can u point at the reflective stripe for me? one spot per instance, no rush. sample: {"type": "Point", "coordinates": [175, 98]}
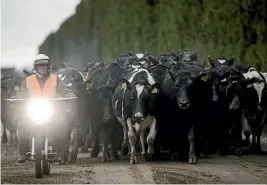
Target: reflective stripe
{"type": "Point", "coordinates": [52, 84]}
{"type": "Point", "coordinates": [29, 84]}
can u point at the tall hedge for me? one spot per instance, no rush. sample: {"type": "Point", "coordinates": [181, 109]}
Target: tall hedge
{"type": "Point", "coordinates": [103, 29]}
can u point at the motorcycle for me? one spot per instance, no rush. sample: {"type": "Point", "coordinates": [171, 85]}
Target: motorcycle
{"type": "Point", "coordinates": [40, 111]}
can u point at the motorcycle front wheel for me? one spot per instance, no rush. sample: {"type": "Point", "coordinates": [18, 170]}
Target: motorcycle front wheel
{"type": "Point", "coordinates": [38, 157]}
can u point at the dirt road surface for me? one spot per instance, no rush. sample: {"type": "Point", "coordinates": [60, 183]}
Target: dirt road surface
{"type": "Point", "coordinates": [214, 169]}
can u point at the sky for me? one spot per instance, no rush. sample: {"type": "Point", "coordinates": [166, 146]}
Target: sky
{"type": "Point", "coordinates": [26, 23]}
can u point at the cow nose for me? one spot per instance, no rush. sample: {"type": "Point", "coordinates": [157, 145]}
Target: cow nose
{"type": "Point", "coordinates": [138, 116]}
{"type": "Point", "coordinates": [260, 107]}
{"type": "Point", "coordinates": [215, 98]}
{"type": "Point", "coordinates": [183, 104]}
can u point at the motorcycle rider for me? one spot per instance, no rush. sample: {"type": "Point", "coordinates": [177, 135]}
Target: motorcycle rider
{"type": "Point", "coordinates": [41, 83]}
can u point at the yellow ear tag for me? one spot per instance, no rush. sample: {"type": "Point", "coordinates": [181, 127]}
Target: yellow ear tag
{"type": "Point", "coordinates": [223, 80]}
{"type": "Point", "coordinates": [89, 85]}
{"type": "Point", "coordinates": [155, 90]}
{"type": "Point", "coordinates": [204, 78]}
{"type": "Point", "coordinates": [249, 85]}
{"type": "Point", "coordinates": [123, 85]}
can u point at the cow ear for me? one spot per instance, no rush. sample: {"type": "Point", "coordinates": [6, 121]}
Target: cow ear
{"type": "Point", "coordinates": [155, 88]}
{"type": "Point", "coordinates": [249, 82]}
{"type": "Point", "coordinates": [212, 62]}
{"type": "Point", "coordinates": [126, 84]}
{"type": "Point", "coordinates": [225, 76]}
{"type": "Point", "coordinates": [203, 63]}
{"type": "Point", "coordinates": [230, 62]}
{"type": "Point", "coordinates": [172, 75]}
{"type": "Point", "coordinates": [194, 56]}
{"type": "Point", "coordinates": [88, 85]}
{"type": "Point", "coordinates": [153, 60]}
{"type": "Point", "coordinates": [203, 76]}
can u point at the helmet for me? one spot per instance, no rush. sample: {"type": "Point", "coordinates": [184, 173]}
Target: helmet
{"type": "Point", "coordinates": [41, 59]}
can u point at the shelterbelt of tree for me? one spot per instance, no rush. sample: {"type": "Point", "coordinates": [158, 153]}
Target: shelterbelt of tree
{"type": "Point", "coordinates": [101, 30]}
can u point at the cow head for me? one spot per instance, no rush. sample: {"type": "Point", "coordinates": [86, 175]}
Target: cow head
{"type": "Point", "coordinates": [124, 60]}
{"type": "Point", "coordinates": [186, 56]}
{"type": "Point", "coordinates": [229, 87]}
{"type": "Point", "coordinates": [259, 85]}
{"type": "Point", "coordinates": [104, 98]}
{"type": "Point", "coordinates": [221, 61]}
{"type": "Point", "coordinates": [184, 85]}
{"type": "Point", "coordinates": [143, 92]}
{"type": "Point", "coordinates": [167, 61]}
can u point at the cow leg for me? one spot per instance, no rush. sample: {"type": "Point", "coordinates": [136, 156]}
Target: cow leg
{"type": "Point", "coordinates": [223, 137]}
{"type": "Point", "coordinates": [4, 136]}
{"type": "Point", "coordinates": [95, 146]}
{"type": "Point", "coordinates": [59, 147]}
{"type": "Point", "coordinates": [256, 134]}
{"type": "Point", "coordinates": [258, 140]}
{"type": "Point", "coordinates": [74, 143]}
{"type": "Point", "coordinates": [151, 138]}
{"type": "Point", "coordinates": [15, 136]}
{"type": "Point", "coordinates": [192, 153]}
{"type": "Point", "coordinates": [253, 143]}
{"type": "Point", "coordinates": [106, 156]}
{"type": "Point", "coordinates": [142, 141]}
{"type": "Point", "coordinates": [124, 149]}
{"type": "Point", "coordinates": [236, 134]}
{"type": "Point", "coordinates": [114, 145]}
{"type": "Point", "coordinates": [95, 140]}
{"type": "Point", "coordinates": [87, 143]}
{"type": "Point", "coordinates": [132, 141]}
{"type": "Point", "coordinates": [10, 137]}
{"type": "Point", "coordinates": [246, 129]}
{"type": "Point", "coordinates": [258, 144]}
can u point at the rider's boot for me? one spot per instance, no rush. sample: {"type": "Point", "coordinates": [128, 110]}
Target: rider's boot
{"type": "Point", "coordinates": [22, 158]}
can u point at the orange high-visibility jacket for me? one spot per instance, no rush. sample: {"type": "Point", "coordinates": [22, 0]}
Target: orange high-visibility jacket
{"type": "Point", "coordinates": [35, 90]}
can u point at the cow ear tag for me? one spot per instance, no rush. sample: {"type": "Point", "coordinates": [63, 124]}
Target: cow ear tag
{"type": "Point", "coordinates": [204, 78]}
{"type": "Point", "coordinates": [89, 85]}
{"type": "Point", "coordinates": [249, 85]}
{"type": "Point", "coordinates": [223, 80]}
{"type": "Point", "coordinates": [155, 90]}
{"type": "Point", "coordinates": [123, 85]}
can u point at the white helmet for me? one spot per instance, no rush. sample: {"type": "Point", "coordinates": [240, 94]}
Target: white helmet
{"type": "Point", "coordinates": [41, 59]}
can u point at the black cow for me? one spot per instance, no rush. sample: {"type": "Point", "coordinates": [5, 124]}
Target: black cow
{"type": "Point", "coordinates": [101, 102]}
{"type": "Point", "coordinates": [10, 113]}
{"type": "Point", "coordinates": [74, 113]}
{"type": "Point", "coordinates": [134, 104]}
{"type": "Point", "coordinates": [230, 95]}
{"type": "Point", "coordinates": [183, 97]}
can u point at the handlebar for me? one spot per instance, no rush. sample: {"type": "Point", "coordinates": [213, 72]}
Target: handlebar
{"type": "Point", "coordinates": [30, 99]}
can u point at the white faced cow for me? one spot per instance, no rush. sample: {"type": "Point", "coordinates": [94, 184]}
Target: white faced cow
{"type": "Point", "coordinates": [134, 104]}
{"type": "Point", "coordinates": [257, 124]}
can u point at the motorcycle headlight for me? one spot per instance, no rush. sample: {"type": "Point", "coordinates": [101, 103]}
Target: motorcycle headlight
{"type": "Point", "coordinates": [40, 111]}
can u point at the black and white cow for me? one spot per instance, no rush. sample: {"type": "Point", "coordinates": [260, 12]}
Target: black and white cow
{"type": "Point", "coordinates": [257, 122]}
{"type": "Point", "coordinates": [134, 104]}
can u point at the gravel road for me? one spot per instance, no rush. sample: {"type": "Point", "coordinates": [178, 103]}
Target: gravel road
{"type": "Point", "coordinates": [213, 169]}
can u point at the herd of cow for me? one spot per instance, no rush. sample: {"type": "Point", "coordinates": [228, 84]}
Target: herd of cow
{"type": "Point", "coordinates": [173, 103]}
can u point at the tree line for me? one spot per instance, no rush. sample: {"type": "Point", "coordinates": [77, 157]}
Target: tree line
{"type": "Point", "coordinates": [101, 30]}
